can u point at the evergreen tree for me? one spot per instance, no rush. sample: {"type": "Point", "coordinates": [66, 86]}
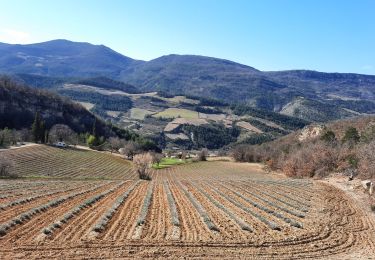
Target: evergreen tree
{"type": "Point", "coordinates": [35, 127]}
{"type": "Point", "coordinates": [42, 131]}
{"type": "Point", "coordinates": [94, 129]}
{"type": "Point", "coordinates": [38, 129]}
{"type": "Point", "coordinates": [328, 137]}
{"type": "Point", "coordinates": [351, 136]}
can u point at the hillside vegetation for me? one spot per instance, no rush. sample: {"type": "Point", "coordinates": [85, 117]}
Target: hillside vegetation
{"type": "Point", "coordinates": [346, 146]}
{"type": "Point", "coordinates": [29, 114]}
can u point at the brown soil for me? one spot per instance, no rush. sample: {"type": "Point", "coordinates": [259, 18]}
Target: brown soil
{"type": "Point", "coordinates": [338, 223]}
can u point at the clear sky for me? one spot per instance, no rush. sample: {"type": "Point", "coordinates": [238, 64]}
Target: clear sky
{"type": "Point", "coordinates": [324, 35]}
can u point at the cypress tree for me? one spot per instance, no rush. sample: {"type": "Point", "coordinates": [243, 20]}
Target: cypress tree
{"type": "Point", "coordinates": [38, 129]}
{"type": "Point", "coordinates": [42, 131]}
{"type": "Point", "coordinates": [94, 128]}
{"type": "Point", "coordinates": [35, 128]}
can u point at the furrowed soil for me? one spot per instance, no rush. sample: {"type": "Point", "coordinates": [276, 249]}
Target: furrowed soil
{"type": "Point", "coordinates": [200, 210]}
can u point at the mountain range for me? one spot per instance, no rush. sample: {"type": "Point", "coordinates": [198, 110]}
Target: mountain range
{"type": "Point", "coordinates": [310, 95]}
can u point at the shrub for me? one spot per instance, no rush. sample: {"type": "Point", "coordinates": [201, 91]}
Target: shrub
{"type": "Point", "coordinates": [146, 204]}
{"type": "Point", "coordinates": [366, 163]}
{"type": "Point", "coordinates": [328, 137]}
{"type": "Point", "coordinates": [311, 160]}
{"type": "Point", "coordinates": [91, 141]}
{"type": "Point", "coordinates": [201, 210]}
{"type": "Point", "coordinates": [106, 217]}
{"type": "Point", "coordinates": [142, 164]}
{"type": "Point", "coordinates": [172, 205]}
{"type": "Point", "coordinates": [351, 136]}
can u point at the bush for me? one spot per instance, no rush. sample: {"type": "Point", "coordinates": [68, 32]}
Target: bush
{"type": "Point", "coordinates": [91, 141]}
{"type": "Point", "coordinates": [351, 136]}
{"type": "Point", "coordinates": [7, 168]}
{"type": "Point", "coordinates": [328, 137]}
{"type": "Point", "coordinates": [366, 163]}
{"type": "Point", "coordinates": [142, 163]}
{"type": "Point", "coordinates": [312, 160]}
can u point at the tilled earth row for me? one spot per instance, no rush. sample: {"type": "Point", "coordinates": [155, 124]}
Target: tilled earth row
{"type": "Point", "coordinates": [236, 214]}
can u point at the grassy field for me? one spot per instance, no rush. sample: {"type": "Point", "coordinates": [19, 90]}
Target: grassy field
{"type": "Point", "coordinates": [177, 112]}
{"type": "Point", "coordinates": [180, 99]}
{"type": "Point", "coordinates": [139, 113]}
{"type": "Point", "coordinates": [168, 162]}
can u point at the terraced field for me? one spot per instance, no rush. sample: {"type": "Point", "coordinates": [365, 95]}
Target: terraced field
{"type": "Point", "coordinates": [211, 210]}
{"type": "Point", "coordinates": [52, 162]}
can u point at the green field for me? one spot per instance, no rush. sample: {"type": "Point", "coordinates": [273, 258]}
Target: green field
{"type": "Point", "coordinates": [177, 112]}
{"type": "Point", "coordinates": [139, 113]}
{"type": "Point", "coordinates": [168, 162]}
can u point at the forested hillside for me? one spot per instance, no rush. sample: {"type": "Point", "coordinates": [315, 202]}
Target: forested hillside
{"type": "Point", "coordinates": [309, 95]}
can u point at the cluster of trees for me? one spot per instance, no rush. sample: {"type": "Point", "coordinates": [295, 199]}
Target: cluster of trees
{"type": "Point", "coordinates": [106, 83]}
{"type": "Point", "coordinates": [22, 102]}
{"type": "Point", "coordinates": [211, 136]}
{"type": "Point", "coordinates": [266, 128]}
{"type": "Point", "coordinates": [257, 139]}
{"type": "Point", "coordinates": [10, 137]}
{"type": "Point", "coordinates": [40, 133]}
{"type": "Point", "coordinates": [352, 153]}
{"type": "Point", "coordinates": [102, 102]}
{"type": "Point", "coordinates": [206, 110]}
{"type": "Point", "coordinates": [287, 122]}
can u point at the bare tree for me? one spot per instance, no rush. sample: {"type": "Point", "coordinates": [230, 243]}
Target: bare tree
{"type": "Point", "coordinates": [6, 137]}
{"type": "Point", "coordinates": [60, 132]}
{"type": "Point", "coordinates": [7, 167]}
{"type": "Point", "coordinates": [183, 155]}
{"type": "Point", "coordinates": [116, 143]}
{"type": "Point", "coordinates": [202, 155]}
{"type": "Point", "coordinates": [142, 164]}
{"type": "Point", "coordinates": [129, 150]}
{"type": "Point", "coordinates": [156, 158]}
{"type": "Point", "coordinates": [23, 135]}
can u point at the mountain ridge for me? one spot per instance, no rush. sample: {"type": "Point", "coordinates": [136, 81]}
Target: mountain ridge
{"type": "Point", "coordinates": [200, 76]}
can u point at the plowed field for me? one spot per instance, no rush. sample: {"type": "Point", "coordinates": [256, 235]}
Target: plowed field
{"type": "Point", "coordinates": [200, 210]}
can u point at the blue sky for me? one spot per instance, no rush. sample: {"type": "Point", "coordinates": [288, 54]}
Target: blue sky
{"type": "Point", "coordinates": [324, 35]}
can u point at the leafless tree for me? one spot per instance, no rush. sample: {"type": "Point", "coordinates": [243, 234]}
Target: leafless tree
{"type": "Point", "coordinates": [156, 158]}
{"type": "Point", "coordinates": [23, 135]}
{"type": "Point", "coordinates": [7, 167]}
{"type": "Point", "coordinates": [60, 132]}
{"type": "Point", "coordinates": [7, 137]}
{"type": "Point", "coordinates": [183, 155]}
{"type": "Point", "coordinates": [202, 155]}
{"type": "Point", "coordinates": [116, 143]}
{"type": "Point", "coordinates": [142, 164]}
{"type": "Point", "coordinates": [130, 149]}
